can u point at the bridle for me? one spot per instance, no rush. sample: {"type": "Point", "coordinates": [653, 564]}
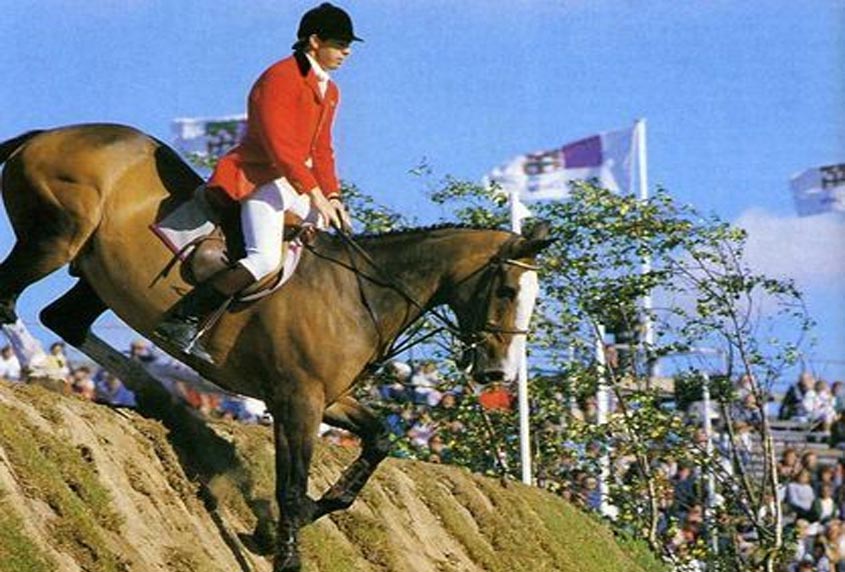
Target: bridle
{"type": "Point", "coordinates": [480, 328]}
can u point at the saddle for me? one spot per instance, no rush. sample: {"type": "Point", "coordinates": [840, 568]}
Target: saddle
{"type": "Point", "coordinates": [204, 234]}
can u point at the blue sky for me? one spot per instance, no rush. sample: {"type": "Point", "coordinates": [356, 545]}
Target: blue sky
{"type": "Point", "coordinates": [738, 96]}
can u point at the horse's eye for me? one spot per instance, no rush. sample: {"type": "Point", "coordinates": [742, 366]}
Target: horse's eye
{"type": "Point", "coordinates": [506, 292]}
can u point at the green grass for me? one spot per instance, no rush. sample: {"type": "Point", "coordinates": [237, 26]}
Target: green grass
{"type": "Point", "coordinates": [17, 552]}
{"type": "Point", "coordinates": [50, 469]}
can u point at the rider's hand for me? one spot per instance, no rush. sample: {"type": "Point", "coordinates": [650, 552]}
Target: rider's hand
{"type": "Point", "coordinates": [342, 214]}
{"type": "Point", "coordinates": [326, 210]}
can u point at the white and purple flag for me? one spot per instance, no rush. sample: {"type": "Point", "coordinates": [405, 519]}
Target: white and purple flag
{"type": "Point", "coordinates": [819, 190]}
{"type": "Point", "coordinates": [546, 175]}
{"type": "Point", "coordinates": [208, 136]}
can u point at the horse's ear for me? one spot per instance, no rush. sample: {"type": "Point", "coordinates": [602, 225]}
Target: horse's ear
{"type": "Point", "coordinates": [536, 239]}
{"type": "Point", "coordinates": [540, 230]}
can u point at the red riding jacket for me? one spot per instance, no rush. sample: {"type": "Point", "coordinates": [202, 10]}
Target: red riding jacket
{"type": "Point", "coordinates": [288, 123]}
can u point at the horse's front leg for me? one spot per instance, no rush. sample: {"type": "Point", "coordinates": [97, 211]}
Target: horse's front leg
{"type": "Point", "coordinates": [347, 413]}
{"type": "Point", "coordinates": [295, 424]}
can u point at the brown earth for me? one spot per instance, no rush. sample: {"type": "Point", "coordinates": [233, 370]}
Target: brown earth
{"type": "Point", "coordinates": [87, 488]}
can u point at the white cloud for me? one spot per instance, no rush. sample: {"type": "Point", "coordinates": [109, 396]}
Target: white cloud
{"type": "Point", "coordinates": [809, 249]}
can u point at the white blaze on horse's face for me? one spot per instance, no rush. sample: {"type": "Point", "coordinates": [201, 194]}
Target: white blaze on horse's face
{"type": "Point", "coordinates": [529, 287]}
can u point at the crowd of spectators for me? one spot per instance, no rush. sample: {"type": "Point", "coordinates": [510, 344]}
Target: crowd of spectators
{"type": "Point", "coordinates": [91, 382]}
{"type": "Point", "coordinates": [813, 401]}
{"type": "Point", "coordinates": [419, 408]}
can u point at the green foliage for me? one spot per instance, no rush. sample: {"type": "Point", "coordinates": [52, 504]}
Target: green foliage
{"type": "Point", "coordinates": [371, 216]}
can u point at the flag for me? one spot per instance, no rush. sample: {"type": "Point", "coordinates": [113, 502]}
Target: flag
{"type": "Point", "coordinates": [547, 174]}
{"type": "Point", "coordinates": [819, 190]}
{"type": "Point", "coordinates": [208, 137]}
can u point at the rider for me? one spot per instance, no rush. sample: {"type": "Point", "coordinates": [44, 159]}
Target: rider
{"type": "Point", "coordinates": [284, 163]}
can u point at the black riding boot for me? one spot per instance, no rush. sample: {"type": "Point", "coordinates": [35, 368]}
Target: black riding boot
{"type": "Point", "coordinates": [182, 324]}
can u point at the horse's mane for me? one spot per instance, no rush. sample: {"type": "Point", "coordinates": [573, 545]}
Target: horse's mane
{"type": "Point", "coordinates": [423, 229]}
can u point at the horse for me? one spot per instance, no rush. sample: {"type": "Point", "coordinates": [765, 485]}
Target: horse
{"type": "Point", "coordinates": [86, 195]}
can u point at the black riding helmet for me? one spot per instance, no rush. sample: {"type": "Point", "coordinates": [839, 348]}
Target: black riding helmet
{"type": "Point", "coordinates": [329, 23]}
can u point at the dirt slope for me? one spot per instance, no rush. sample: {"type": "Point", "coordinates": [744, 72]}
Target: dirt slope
{"type": "Point", "coordinates": [84, 487]}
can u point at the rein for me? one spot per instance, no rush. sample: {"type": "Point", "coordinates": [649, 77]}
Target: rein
{"type": "Point", "coordinates": [470, 341]}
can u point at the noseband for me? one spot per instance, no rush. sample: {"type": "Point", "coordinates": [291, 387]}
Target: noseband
{"type": "Point", "coordinates": [478, 335]}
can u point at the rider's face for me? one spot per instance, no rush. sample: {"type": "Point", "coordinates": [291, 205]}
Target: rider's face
{"type": "Point", "coordinates": [330, 54]}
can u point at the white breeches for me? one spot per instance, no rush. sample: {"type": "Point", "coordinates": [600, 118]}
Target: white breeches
{"type": "Point", "coordinates": [263, 224]}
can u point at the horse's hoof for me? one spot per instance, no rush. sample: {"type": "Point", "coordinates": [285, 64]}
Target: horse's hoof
{"type": "Point", "coordinates": [289, 563]}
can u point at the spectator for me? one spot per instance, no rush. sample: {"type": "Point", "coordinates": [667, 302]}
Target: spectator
{"type": "Point", "coordinates": [838, 390]}
{"type": "Point", "coordinates": [438, 449]}
{"type": "Point", "coordinates": [111, 391]}
{"type": "Point", "coordinates": [800, 496]}
{"type": "Point", "coordinates": [789, 464]}
{"type": "Point", "coordinates": [810, 461]}
{"type": "Point", "coordinates": [140, 350]}
{"type": "Point", "coordinates": [791, 407]}
{"type": "Point", "coordinates": [395, 379]}
{"type": "Point", "coordinates": [837, 431]}
{"type": "Point", "coordinates": [826, 475]}
{"type": "Point", "coordinates": [425, 381]}
{"type": "Point", "coordinates": [685, 486]}
{"type": "Point", "coordinates": [804, 534]}
{"type": "Point", "coordinates": [422, 430]}
{"type": "Point", "coordinates": [400, 420]}
{"type": "Point", "coordinates": [10, 367]}
{"type": "Point", "coordinates": [834, 542]}
{"type": "Point", "coordinates": [819, 405]}
{"type": "Point", "coordinates": [743, 445]}
{"type": "Point", "coordinates": [744, 387]}
{"type": "Point", "coordinates": [448, 408]}
{"type": "Point", "coordinates": [839, 473]}
{"type": "Point", "coordinates": [592, 494]}
{"type": "Point", "coordinates": [821, 560]}
{"type": "Point", "coordinates": [59, 359]}
{"type": "Point", "coordinates": [82, 384]}
{"type": "Point", "coordinates": [824, 507]}
{"type": "Point", "coordinates": [748, 411]}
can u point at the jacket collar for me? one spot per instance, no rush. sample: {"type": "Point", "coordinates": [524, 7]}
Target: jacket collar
{"type": "Point", "coordinates": [306, 70]}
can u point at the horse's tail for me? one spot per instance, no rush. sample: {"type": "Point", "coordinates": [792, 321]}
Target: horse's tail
{"type": "Point", "coordinates": [12, 145]}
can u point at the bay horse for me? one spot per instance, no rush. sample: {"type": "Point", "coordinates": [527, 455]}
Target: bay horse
{"type": "Point", "coordinates": [86, 195]}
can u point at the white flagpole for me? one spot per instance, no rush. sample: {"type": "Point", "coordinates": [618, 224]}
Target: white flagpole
{"type": "Point", "coordinates": [517, 212]}
{"type": "Point", "coordinates": [642, 173]}
{"type": "Point", "coordinates": [602, 414]}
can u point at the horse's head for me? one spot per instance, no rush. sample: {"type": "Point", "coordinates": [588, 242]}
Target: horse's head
{"type": "Point", "coordinates": [494, 305]}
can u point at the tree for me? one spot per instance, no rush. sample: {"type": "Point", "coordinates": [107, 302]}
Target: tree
{"type": "Point", "coordinates": [592, 278]}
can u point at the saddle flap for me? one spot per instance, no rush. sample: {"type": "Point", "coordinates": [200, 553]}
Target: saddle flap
{"type": "Point", "coordinates": [210, 256]}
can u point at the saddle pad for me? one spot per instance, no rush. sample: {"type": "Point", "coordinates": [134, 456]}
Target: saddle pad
{"type": "Point", "coordinates": [194, 219]}
{"type": "Point", "coordinates": [187, 223]}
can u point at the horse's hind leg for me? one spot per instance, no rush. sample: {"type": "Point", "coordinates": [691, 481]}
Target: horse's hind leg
{"type": "Point", "coordinates": [72, 315]}
{"type": "Point", "coordinates": [26, 264]}
{"type": "Point", "coordinates": [48, 238]}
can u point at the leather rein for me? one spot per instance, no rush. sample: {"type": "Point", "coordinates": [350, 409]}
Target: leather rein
{"type": "Point", "coordinates": [470, 341]}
